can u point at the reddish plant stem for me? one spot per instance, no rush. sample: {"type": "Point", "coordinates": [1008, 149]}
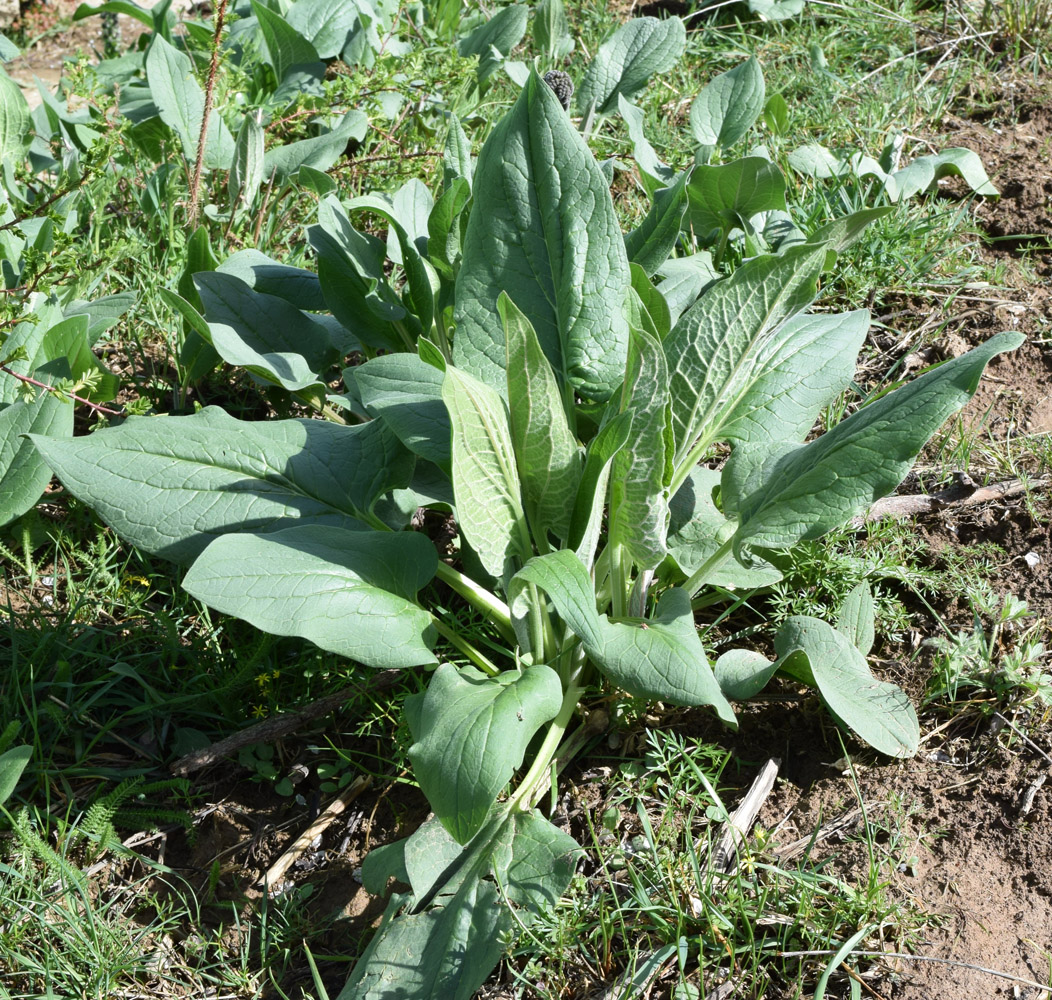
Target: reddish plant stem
{"type": "Point", "coordinates": [195, 183]}
{"type": "Point", "coordinates": [50, 388]}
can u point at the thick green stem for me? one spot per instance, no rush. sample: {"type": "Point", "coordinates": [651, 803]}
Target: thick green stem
{"type": "Point", "coordinates": [700, 576]}
{"type": "Point", "coordinates": [479, 597]}
{"type": "Point", "coordinates": [533, 782]}
{"type": "Point", "coordinates": [483, 662]}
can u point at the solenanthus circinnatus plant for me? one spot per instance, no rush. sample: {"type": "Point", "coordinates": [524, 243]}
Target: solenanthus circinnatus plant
{"type": "Point", "coordinates": [564, 425]}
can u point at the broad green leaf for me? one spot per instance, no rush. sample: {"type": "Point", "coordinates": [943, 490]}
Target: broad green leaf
{"type": "Point", "coordinates": [879, 712]}
{"type": "Point", "coordinates": [350, 592]}
{"type": "Point", "coordinates": [725, 197]}
{"type": "Point", "coordinates": [625, 62]}
{"type": "Point", "coordinates": [493, 40]}
{"type": "Point", "coordinates": [407, 393]}
{"type": "Point", "coordinates": [456, 154]}
{"type": "Point", "coordinates": [714, 350]}
{"type": "Point", "coordinates": [684, 279]}
{"type": "Point", "coordinates": [652, 172]}
{"type": "Point", "coordinates": [856, 620]}
{"type": "Point", "coordinates": [485, 479]}
{"type": "Point", "coordinates": [286, 47]}
{"type": "Point", "coordinates": [813, 160]}
{"type": "Point", "coordinates": [697, 530]}
{"type": "Point", "coordinates": [197, 357]}
{"type": "Point", "coordinates": [725, 110]}
{"type": "Point", "coordinates": [445, 226]}
{"type": "Point", "coordinates": [801, 367]}
{"type": "Point", "coordinates": [590, 504]}
{"type": "Point", "coordinates": [923, 172]}
{"type": "Point", "coordinates": [551, 31]}
{"type": "Point", "coordinates": [782, 495]}
{"type": "Point", "coordinates": [181, 104]}
{"type": "Point", "coordinates": [650, 244]}
{"type": "Point", "coordinates": [839, 234]}
{"type": "Point", "coordinates": [647, 308]}
{"type": "Point", "coordinates": [15, 120]}
{"type": "Point", "coordinates": [103, 313]}
{"type": "Point", "coordinates": [296, 285]}
{"type": "Point", "coordinates": [320, 151]}
{"type": "Point", "coordinates": [471, 736]}
{"type": "Point", "coordinates": [326, 24]}
{"type": "Point", "coordinates": [12, 763]}
{"type": "Point", "coordinates": [24, 475]}
{"type": "Point", "coordinates": [776, 114]}
{"type": "Point", "coordinates": [743, 673]}
{"type": "Point", "coordinates": [543, 229]}
{"type": "Point", "coordinates": [775, 10]}
{"type": "Point", "coordinates": [545, 451]}
{"type": "Point", "coordinates": [659, 658]}
{"type": "Point", "coordinates": [382, 863]}
{"type": "Point", "coordinates": [171, 484]}
{"type": "Point", "coordinates": [448, 943]}
{"type": "Point", "coordinates": [69, 352]}
{"type": "Point", "coordinates": [126, 7]}
{"type": "Point", "coordinates": [642, 469]}
{"type": "Point", "coordinates": [263, 333]}
{"type": "Point", "coordinates": [246, 172]}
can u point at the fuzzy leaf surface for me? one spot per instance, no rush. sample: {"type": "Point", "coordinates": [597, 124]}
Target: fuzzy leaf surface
{"type": "Point", "coordinates": [350, 592]}
{"type": "Point", "coordinates": [879, 712]}
{"type": "Point", "coordinates": [543, 229]}
{"type": "Point", "coordinates": [172, 484]}
{"type": "Point", "coordinates": [783, 494]}
{"type": "Point", "coordinates": [471, 736]}
{"type": "Point", "coordinates": [628, 59]}
{"type": "Point", "coordinates": [726, 109]}
{"type": "Point", "coordinates": [485, 479]}
{"type": "Point", "coordinates": [714, 350]}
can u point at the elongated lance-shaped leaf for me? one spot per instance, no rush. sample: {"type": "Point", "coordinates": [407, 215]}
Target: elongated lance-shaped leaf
{"type": "Point", "coordinates": [650, 244]}
{"type": "Point", "coordinates": [543, 229]}
{"type": "Point", "coordinates": [782, 494]}
{"type": "Point", "coordinates": [545, 451]}
{"type": "Point", "coordinates": [350, 592]}
{"type": "Point", "coordinates": [23, 473]}
{"type": "Point", "coordinates": [471, 735]}
{"type": "Point", "coordinates": [659, 658]}
{"type": "Point", "coordinates": [446, 943]}
{"type": "Point", "coordinates": [181, 103]}
{"type": "Point", "coordinates": [172, 484]}
{"type": "Point", "coordinates": [587, 519]}
{"type": "Point", "coordinates": [407, 393]}
{"type": "Point", "coordinates": [246, 172]}
{"type": "Point", "coordinates": [802, 367]}
{"type": "Point", "coordinates": [485, 480]}
{"type": "Point", "coordinates": [642, 469]}
{"type": "Point", "coordinates": [713, 351]}
{"type": "Point", "coordinates": [877, 711]}
{"type": "Point", "coordinates": [628, 59]}
{"type": "Point", "coordinates": [494, 39]}
{"type": "Point", "coordinates": [856, 618]}
{"type": "Point", "coordinates": [726, 109]}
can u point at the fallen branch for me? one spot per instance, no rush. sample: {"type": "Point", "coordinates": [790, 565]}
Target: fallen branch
{"type": "Point", "coordinates": [281, 725]}
{"type": "Point", "coordinates": [737, 828]}
{"type": "Point", "coordinates": [303, 842]}
{"type": "Point", "coordinates": [965, 492]}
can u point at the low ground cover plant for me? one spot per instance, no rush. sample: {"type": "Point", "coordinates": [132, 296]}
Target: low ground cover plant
{"type": "Point", "coordinates": [613, 451]}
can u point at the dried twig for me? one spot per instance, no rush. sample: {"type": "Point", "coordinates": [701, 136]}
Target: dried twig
{"type": "Point", "coordinates": [736, 828]}
{"type": "Point", "coordinates": [302, 843]}
{"type": "Point", "coordinates": [60, 392]}
{"type": "Point", "coordinates": [281, 725]}
{"type": "Point", "coordinates": [964, 493]}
